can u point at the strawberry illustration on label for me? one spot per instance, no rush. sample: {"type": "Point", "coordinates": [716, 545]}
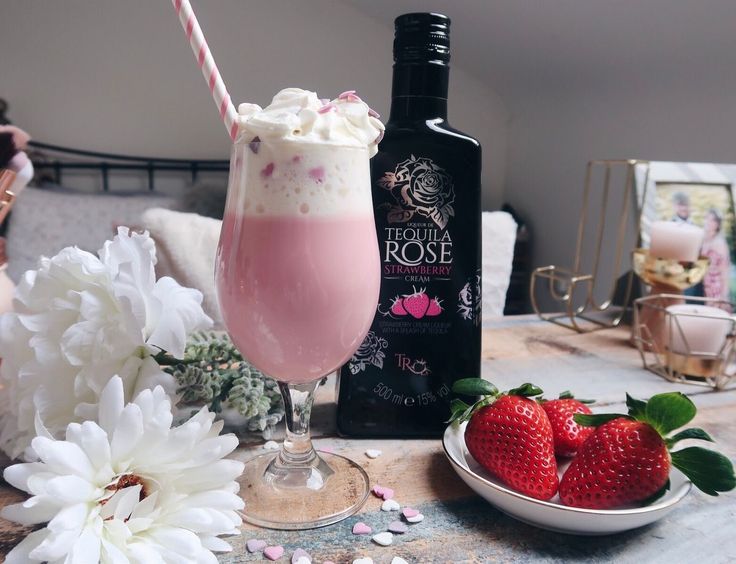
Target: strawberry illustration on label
{"type": "Point", "coordinates": [397, 307]}
{"type": "Point", "coordinates": [434, 308]}
{"type": "Point", "coordinates": [416, 304]}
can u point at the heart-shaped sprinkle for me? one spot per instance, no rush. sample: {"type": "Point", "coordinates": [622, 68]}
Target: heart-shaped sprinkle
{"type": "Point", "coordinates": [301, 556]}
{"type": "Point", "coordinates": [361, 528]}
{"type": "Point", "coordinates": [365, 560]}
{"type": "Point", "coordinates": [255, 545]}
{"type": "Point", "coordinates": [409, 512]}
{"type": "Point", "coordinates": [271, 445]}
{"type": "Point", "coordinates": [398, 527]}
{"type": "Point", "coordinates": [384, 539]}
{"type": "Point", "coordinates": [416, 519]}
{"type": "Point", "coordinates": [373, 453]}
{"type": "Point", "coordinates": [390, 505]}
{"type": "Point", "coordinates": [398, 560]}
{"type": "Point", "coordinates": [377, 490]}
{"type": "Point", "coordinates": [388, 493]}
{"type": "Point", "coordinates": [273, 552]}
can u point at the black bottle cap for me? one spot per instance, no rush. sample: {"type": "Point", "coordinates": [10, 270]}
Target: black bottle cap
{"type": "Point", "coordinates": [422, 38]}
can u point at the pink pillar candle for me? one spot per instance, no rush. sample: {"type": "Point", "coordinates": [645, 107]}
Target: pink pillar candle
{"type": "Point", "coordinates": [677, 241]}
{"type": "Point", "coordinates": [698, 329]}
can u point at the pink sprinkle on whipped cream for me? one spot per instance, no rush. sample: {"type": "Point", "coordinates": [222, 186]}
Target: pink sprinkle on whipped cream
{"type": "Point", "coordinates": [317, 174]}
{"type": "Point", "coordinates": [346, 94]}
{"type": "Point", "coordinates": [326, 108]}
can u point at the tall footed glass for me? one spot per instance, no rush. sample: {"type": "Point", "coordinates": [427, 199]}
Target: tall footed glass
{"type": "Point", "coordinates": [298, 274]}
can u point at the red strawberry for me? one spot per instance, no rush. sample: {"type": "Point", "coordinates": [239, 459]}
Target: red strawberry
{"type": "Point", "coordinates": [434, 308]}
{"type": "Point", "coordinates": [510, 436]}
{"type": "Point", "coordinates": [568, 435]}
{"type": "Point", "coordinates": [416, 304]}
{"type": "Point", "coordinates": [627, 459]}
{"type": "Point", "coordinates": [396, 307]}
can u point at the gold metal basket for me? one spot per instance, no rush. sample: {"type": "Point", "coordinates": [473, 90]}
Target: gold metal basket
{"type": "Point", "coordinates": [687, 365]}
{"type": "Point", "coordinates": [566, 287]}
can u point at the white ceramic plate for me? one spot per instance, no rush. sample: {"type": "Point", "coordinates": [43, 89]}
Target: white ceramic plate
{"type": "Point", "coordinates": [552, 515]}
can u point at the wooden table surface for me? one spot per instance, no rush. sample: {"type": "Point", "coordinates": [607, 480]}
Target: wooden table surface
{"type": "Point", "coordinates": [460, 526]}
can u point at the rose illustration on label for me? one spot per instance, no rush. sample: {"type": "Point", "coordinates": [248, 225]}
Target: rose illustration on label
{"type": "Point", "coordinates": [469, 299]}
{"type": "Point", "coordinates": [370, 353]}
{"type": "Point", "coordinates": [465, 302]}
{"type": "Point", "coordinates": [421, 187]}
{"type": "Point", "coordinates": [417, 305]}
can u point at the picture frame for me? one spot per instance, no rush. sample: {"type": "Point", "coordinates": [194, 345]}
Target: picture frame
{"type": "Point", "coordinates": [701, 194]}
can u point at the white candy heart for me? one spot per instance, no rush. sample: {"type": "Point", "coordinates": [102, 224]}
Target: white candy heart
{"type": "Point", "coordinates": [373, 453]}
{"type": "Point", "coordinates": [390, 505]}
{"type": "Point", "coordinates": [303, 560]}
{"type": "Point", "coordinates": [398, 560]}
{"type": "Point", "coordinates": [384, 539]}
{"type": "Point", "coordinates": [365, 560]}
{"type": "Point", "coordinates": [416, 519]}
{"type": "Point", "coordinates": [271, 445]}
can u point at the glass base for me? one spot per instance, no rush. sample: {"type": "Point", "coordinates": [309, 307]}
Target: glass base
{"type": "Point", "coordinates": [323, 491]}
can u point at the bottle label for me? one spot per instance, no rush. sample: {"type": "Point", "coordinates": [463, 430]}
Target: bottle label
{"type": "Point", "coordinates": [425, 334]}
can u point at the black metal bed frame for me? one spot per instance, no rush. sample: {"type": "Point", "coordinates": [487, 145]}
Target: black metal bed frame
{"type": "Point", "coordinates": [111, 162]}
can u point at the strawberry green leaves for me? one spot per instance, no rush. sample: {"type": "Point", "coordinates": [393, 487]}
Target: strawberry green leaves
{"type": "Point", "coordinates": [596, 419]}
{"type": "Point", "coordinates": [474, 387]}
{"type": "Point", "coordinates": [694, 433]}
{"type": "Point", "coordinates": [667, 412]}
{"type": "Point", "coordinates": [526, 390]}
{"type": "Point", "coordinates": [461, 411]}
{"type": "Point", "coordinates": [710, 471]}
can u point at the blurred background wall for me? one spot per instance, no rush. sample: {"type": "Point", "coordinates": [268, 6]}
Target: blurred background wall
{"type": "Point", "coordinates": [544, 86]}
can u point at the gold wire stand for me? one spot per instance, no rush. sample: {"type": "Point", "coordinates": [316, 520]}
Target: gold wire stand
{"type": "Point", "coordinates": [568, 286]}
{"type": "Point", "coordinates": [713, 370]}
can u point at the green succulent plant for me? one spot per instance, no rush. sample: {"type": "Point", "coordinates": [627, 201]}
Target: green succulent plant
{"type": "Point", "coordinates": [214, 373]}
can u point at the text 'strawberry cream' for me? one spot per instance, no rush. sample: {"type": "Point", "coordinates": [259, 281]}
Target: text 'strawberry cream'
{"type": "Point", "coordinates": [298, 268]}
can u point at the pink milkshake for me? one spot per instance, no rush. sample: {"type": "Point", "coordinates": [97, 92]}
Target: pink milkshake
{"type": "Point", "coordinates": [298, 269]}
{"type": "Point", "coordinates": [298, 276]}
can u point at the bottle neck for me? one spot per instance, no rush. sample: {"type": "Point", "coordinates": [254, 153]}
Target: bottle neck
{"type": "Point", "coordinates": [419, 91]}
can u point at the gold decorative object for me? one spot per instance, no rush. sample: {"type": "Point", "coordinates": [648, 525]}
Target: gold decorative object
{"type": "Point", "coordinates": [573, 290]}
{"type": "Point", "coordinates": [668, 274]}
{"type": "Point", "coordinates": [665, 277]}
{"type": "Point", "coordinates": [714, 369]}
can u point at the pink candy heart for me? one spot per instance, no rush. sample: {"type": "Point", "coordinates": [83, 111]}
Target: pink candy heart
{"type": "Point", "coordinates": [273, 552]}
{"type": "Point", "coordinates": [398, 527]}
{"type": "Point", "coordinates": [361, 528]}
{"type": "Point", "coordinates": [255, 545]}
{"type": "Point", "coordinates": [300, 553]}
{"type": "Point", "coordinates": [409, 512]}
{"type": "Point", "coordinates": [384, 493]}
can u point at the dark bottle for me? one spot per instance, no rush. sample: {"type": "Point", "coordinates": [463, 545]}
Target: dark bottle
{"type": "Point", "coordinates": [426, 197]}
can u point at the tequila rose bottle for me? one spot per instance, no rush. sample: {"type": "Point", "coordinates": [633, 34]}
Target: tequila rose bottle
{"type": "Point", "coordinates": [426, 197]}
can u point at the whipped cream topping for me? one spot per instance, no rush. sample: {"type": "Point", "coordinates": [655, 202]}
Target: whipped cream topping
{"type": "Point", "coordinates": [300, 116]}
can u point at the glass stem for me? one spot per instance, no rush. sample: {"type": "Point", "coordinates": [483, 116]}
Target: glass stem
{"type": "Point", "coordinates": [298, 399]}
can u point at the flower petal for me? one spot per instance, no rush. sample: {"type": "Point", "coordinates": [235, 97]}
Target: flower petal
{"type": "Point", "coordinates": [112, 401]}
{"type": "Point", "coordinates": [63, 457]}
{"type": "Point", "coordinates": [22, 551]}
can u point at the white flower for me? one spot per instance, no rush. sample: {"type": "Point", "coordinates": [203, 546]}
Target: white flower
{"type": "Point", "coordinates": [129, 489]}
{"type": "Point", "coordinates": [80, 319]}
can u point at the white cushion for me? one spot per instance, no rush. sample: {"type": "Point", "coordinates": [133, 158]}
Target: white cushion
{"type": "Point", "coordinates": [499, 238]}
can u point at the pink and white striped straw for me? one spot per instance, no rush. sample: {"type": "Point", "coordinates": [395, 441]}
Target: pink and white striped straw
{"type": "Point", "coordinates": [189, 23]}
